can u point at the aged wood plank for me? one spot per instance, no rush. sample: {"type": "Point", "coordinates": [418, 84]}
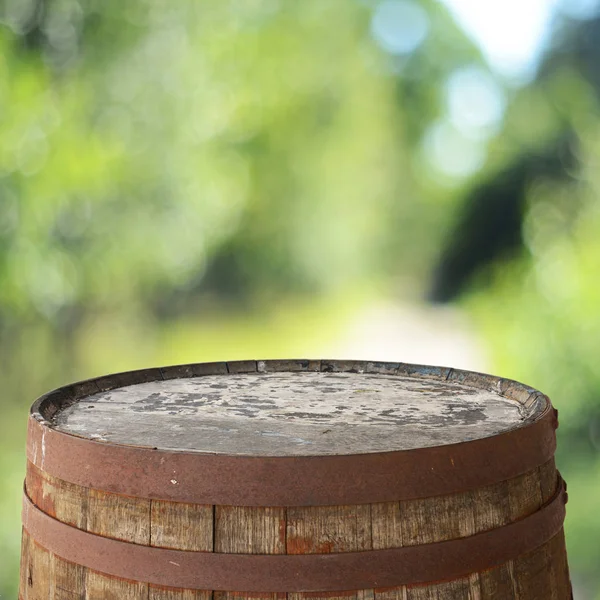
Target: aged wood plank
{"type": "Point", "coordinates": [44, 576]}
{"type": "Point", "coordinates": [491, 509]}
{"type": "Point", "coordinates": [250, 530]}
{"type": "Point", "coordinates": [181, 526]}
{"type": "Point", "coordinates": [437, 519]}
{"type": "Point", "coordinates": [24, 562]}
{"type": "Point", "coordinates": [324, 595]}
{"type": "Point", "coordinates": [99, 512]}
{"type": "Point", "coordinates": [386, 525]}
{"type": "Point", "coordinates": [324, 529]}
{"type": "Point", "coordinates": [103, 587]}
{"type": "Point", "coordinates": [398, 593]}
{"type": "Point", "coordinates": [452, 590]}
{"type": "Point", "coordinates": [533, 576]}
{"type": "Point", "coordinates": [38, 575]}
{"type": "Point", "coordinates": [62, 500]}
{"type": "Point", "coordinates": [548, 476]}
{"type": "Point", "coordinates": [69, 580]}
{"type": "Point", "coordinates": [249, 596]}
{"type": "Point", "coordinates": [490, 506]}
{"type": "Point", "coordinates": [68, 503]}
{"type": "Point", "coordinates": [557, 553]}
{"type": "Point", "coordinates": [498, 583]}
{"type": "Point", "coordinates": [458, 515]}
{"type": "Point", "coordinates": [556, 558]}
{"type": "Point", "coordinates": [386, 532]}
{"type": "Point", "coordinates": [159, 593]}
{"type": "Point", "coordinates": [524, 495]}
{"type": "Point", "coordinates": [119, 517]}
{"type": "Point", "coordinates": [543, 573]}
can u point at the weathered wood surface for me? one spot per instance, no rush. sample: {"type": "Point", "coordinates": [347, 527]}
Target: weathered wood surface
{"type": "Point", "coordinates": [538, 575]}
{"type": "Point", "coordinates": [250, 530]}
{"type": "Point", "coordinates": [270, 414]}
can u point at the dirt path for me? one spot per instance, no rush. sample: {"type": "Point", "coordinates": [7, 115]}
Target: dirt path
{"type": "Point", "coordinates": [415, 334]}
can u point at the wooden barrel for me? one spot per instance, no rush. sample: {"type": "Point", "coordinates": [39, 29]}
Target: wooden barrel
{"type": "Point", "coordinates": [298, 479]}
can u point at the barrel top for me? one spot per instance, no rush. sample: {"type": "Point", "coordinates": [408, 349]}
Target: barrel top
{"type": "Point", "coordinates": [301, 413]}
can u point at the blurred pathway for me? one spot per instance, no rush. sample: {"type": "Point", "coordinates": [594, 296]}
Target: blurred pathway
{"type": "Point", "coordinates": [416, 334]}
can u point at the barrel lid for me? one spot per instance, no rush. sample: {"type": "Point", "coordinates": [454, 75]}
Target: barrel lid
{"type": "Point", "coordinates": [285, 433]}
{"type": "Point", "coordinates": [292, 413]}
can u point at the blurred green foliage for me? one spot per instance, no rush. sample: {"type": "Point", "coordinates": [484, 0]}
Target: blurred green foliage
{"type": "Point", "coordinates": [540, 315]}
{"type": "Point", "coordinates": [211, 180]}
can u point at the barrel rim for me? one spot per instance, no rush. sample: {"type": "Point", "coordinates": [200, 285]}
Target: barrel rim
{"type": "Point", "coordinates": [534, 402]}
{"type": "Point", "coordinates": [208, 478]}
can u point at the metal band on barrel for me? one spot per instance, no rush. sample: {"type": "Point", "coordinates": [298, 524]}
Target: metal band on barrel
{"type": "Point", "coordinates": [302, 573]}
{"type": "Point", "coordinates": [291, 481]}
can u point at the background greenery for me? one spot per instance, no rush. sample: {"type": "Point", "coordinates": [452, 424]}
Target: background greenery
{"type": "Point", "coordinates": [194, 180]}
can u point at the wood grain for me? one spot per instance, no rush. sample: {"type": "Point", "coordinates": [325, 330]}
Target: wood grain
{"type": "Point", "coordinates": [98, 512]}
{"type": "Point", "coordinates": [325, 529]}
{"type": "Point", "coordinates": [181, 526]}
{"type": "Point", "coordinates": [354, 595]}
{"type": "Point", "coordinates": [113, 516]}
{"type": "Point", "coordinates": [103, 587]}
{"type": "Point", "coordinates": [398, 593]}
{"type": "Point", "coordinates": [69, 580]}
{"type": "Point", "coordinates": [499, 583]}
{"type": "Point", "coordinates": [38, 575]}
{"type": "Point", "coordinates": [249, 596]}
{"type": "Point", "coordinates": [157, 593]}
{"type": "Point", "coordinates": [249, 530]}
{"type": "Point", "coordinates": [452, 590]}
{"type": "Point", "coordinates": [110, 516]}
{"type": "Point", "coordinates": [64, 501]}
{"type": "Point", "coordinates": [386, 525]}
{"type": "Point", "coordinates": [24, 567]}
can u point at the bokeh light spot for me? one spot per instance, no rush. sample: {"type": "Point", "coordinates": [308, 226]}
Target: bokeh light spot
{"type": "Point", "coordinates": [399, 26]}
{"type": "Point", "coordinates": [475, 101]}
{"type": "Point", "coordinates": [452, 153]}
{"type": "Point", "coordinates": [511, 34]}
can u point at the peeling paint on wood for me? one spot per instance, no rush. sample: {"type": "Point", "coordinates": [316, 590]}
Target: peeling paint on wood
{"type": "Point", "coordinates": [302, 413]}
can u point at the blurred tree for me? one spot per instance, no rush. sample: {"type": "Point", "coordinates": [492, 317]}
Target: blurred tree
{"type": "Point", "coordinates": [541, 126]}
{"type": "Point", "coordinates": [160, 152]}
{"type": "Point", "coordinates": [489, 228]}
